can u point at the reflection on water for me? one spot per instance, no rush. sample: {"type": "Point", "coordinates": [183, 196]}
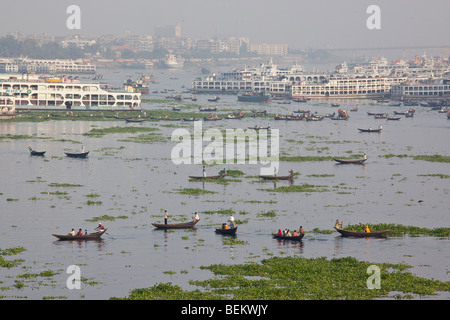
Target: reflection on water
{"type": "Point", "coordinates": [126, 184]}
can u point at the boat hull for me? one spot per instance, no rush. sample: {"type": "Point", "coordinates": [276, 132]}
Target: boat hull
{"type": "Point", "coordinates": [207, 177]}
{"type": "Point", "coordinates": [229, 232]}
{"type": "Point", "coordinates": [77, 155]}
{"type": "Point", "coordinates": [289, 238]}
{"type": "Point", "coordinates": [344, 161]}
{"type": "Point", "coordinates": [92, 236]}
{"type": "Point", "coordinates": [361, 234]}
{"type": "Point", "coordinates": [185, 225]}
{"type": "Point", "coordinates": [37, 153]}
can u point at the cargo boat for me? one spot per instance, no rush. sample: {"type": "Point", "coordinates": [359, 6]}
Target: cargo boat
{"type": "Point", "coordinates": [254, 96]}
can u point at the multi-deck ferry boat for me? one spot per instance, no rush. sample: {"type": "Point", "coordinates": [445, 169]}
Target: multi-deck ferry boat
{"type": "Point", "coordinates": [346, 87]}
{"type": "Point", "coordinates": [62, 94]}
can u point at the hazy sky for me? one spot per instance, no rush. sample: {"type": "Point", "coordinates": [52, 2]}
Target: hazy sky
{"type": "Point", "coordinates": [301, 24]}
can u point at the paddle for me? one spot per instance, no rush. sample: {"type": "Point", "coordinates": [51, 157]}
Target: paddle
{"type": "Point", "coordinates": [110, 235]}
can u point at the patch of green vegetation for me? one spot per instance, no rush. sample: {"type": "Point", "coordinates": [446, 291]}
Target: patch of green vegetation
{"type": "Point", "coordinates": [299, 188]}
{"type": "Point", "coordinates": [439, 175]}
{"type": "Point", "coordinates": [232, 241]}
{"type": "Point", "coordinates": [398, 229]}
{"type": "Point", "coordinates": [9, 252]}
{"type": "Point", "coordinates": [147, 138]}
{"type": "Point", "coordinates": [128, 129]}
{"type": "Point", "coordinates": [64, 185]}
{"type": "Point", "coordinates": [268, 214]}
{"type": "Point", "coordinates": [194, 191]}
{"type": "Point", "coordinates": [297, 278]}
{"type": "Point", "coordinates": [431, 158]}
{"type": "Point", "coordinates": [320, 175]}
{"type": "Point", "coordinates": [106, 218]}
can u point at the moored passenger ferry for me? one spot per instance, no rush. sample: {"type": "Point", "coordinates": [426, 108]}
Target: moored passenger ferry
{"type": "Point", "coordinates": [62, 94]}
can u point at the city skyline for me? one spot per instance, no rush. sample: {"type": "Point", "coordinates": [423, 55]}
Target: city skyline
{"type": "Point", "coordinates": [301, 25]}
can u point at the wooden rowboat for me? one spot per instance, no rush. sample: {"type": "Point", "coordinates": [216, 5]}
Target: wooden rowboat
{"type": "Point", "coordinates": [291, 238]}
{"type": "Point", "coordinates": [135, 120]}
{"type": "Point", "coordinates": [354, 161]}
{"type": "Point", "coordinates": [184, 225]}
{"type": "Point", "coordinates": [274, 177]}
{"type": "Point", "coordinates": [361, 234]}
{"type": "Point", "coordinates": [92, 236]}
{"type": "Point", "coordinates": [37, 153]}
{"type": "Point", "coordinates": [230, 231]}
{"type": "Point", "coordinates": [209, 177]}
{"type": "Point", "coordinates": [77, 155]}
{"type": "Point", "coordinates": [370, 130]}
{"type": "Point", "coordinates": [289, 177]}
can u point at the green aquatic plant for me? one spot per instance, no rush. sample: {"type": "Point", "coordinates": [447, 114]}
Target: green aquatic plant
{"type": "Point", "coordinates": [194, 191]}
{"type": "Point", "coordinates": [297, 278]}
{"type": "Point", "coordinates": [298, 188]}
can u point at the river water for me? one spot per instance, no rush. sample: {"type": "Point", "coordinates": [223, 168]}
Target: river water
{"type": "Point", "coordinates": [135, 182]}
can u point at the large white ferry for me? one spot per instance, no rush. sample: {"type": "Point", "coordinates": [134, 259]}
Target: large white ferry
{"type": "Point", "coordinates": [63, 94]}
{"type": "Point", "coordinates": [346, 87]}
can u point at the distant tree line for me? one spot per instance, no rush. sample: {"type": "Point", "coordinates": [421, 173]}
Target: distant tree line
{"type": "Point", "coordinates": [11, 47]}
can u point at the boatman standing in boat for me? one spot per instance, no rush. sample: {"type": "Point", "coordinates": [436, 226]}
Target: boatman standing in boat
{"type": "Point", "coordinates": [204, 172]}
{"type": "Point", "coordinates": [166, 216]}
{"type": "Point", "coordinates": [232, 221]}
{"type": "Point", "coordinates": [196, 217]}
{"type": "Point", "coordinates": [83, 150]}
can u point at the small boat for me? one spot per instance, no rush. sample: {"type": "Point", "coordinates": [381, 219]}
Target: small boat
{"type": "Point", "coordinates": [393, 118]}
{"type": "Point", "coordinates": [212, 118]}
{"type": "Point", "coordinates": [291, 238]}
{"type": "Point", "coordinates": [360, 234]}
{"type": "Point", "coordinates": [135, 119]}
{"type": "Point", "coordinates": [229, 231]}
{"type": "Point", "coordinates": [183, 225]}
{"type": "Point", "coordinates": [354, 109]}
{"type": "Point", "coordinates": [92, 236]}
{"type": "Point", "coordinates": [214, 99]}
{"type": "Point", "coordinates": [260, 128]}
{"type": "Point", "coordinates": [370, 130]}
{"type": "Point", "coordinates": [77, 155]}
{"type": "Point", "coordinates": [190, 119]}
{"type": "Point", "coordinates": [207, 109]}
{"type": "Point", "coordinates": [302, 111]}
{"type": "Point", "coordinates": [335, 104]}
{"type": "Point", "coordinates": [209, 177]}
{"type": "Point", "coordinates": [381, 116]}
{"type": "Point", "coordinates": [37, 153]}
{"type": "Point", "coordinates": [354, 161]}
{"type": "Point", "coordinates": [274, 177]}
